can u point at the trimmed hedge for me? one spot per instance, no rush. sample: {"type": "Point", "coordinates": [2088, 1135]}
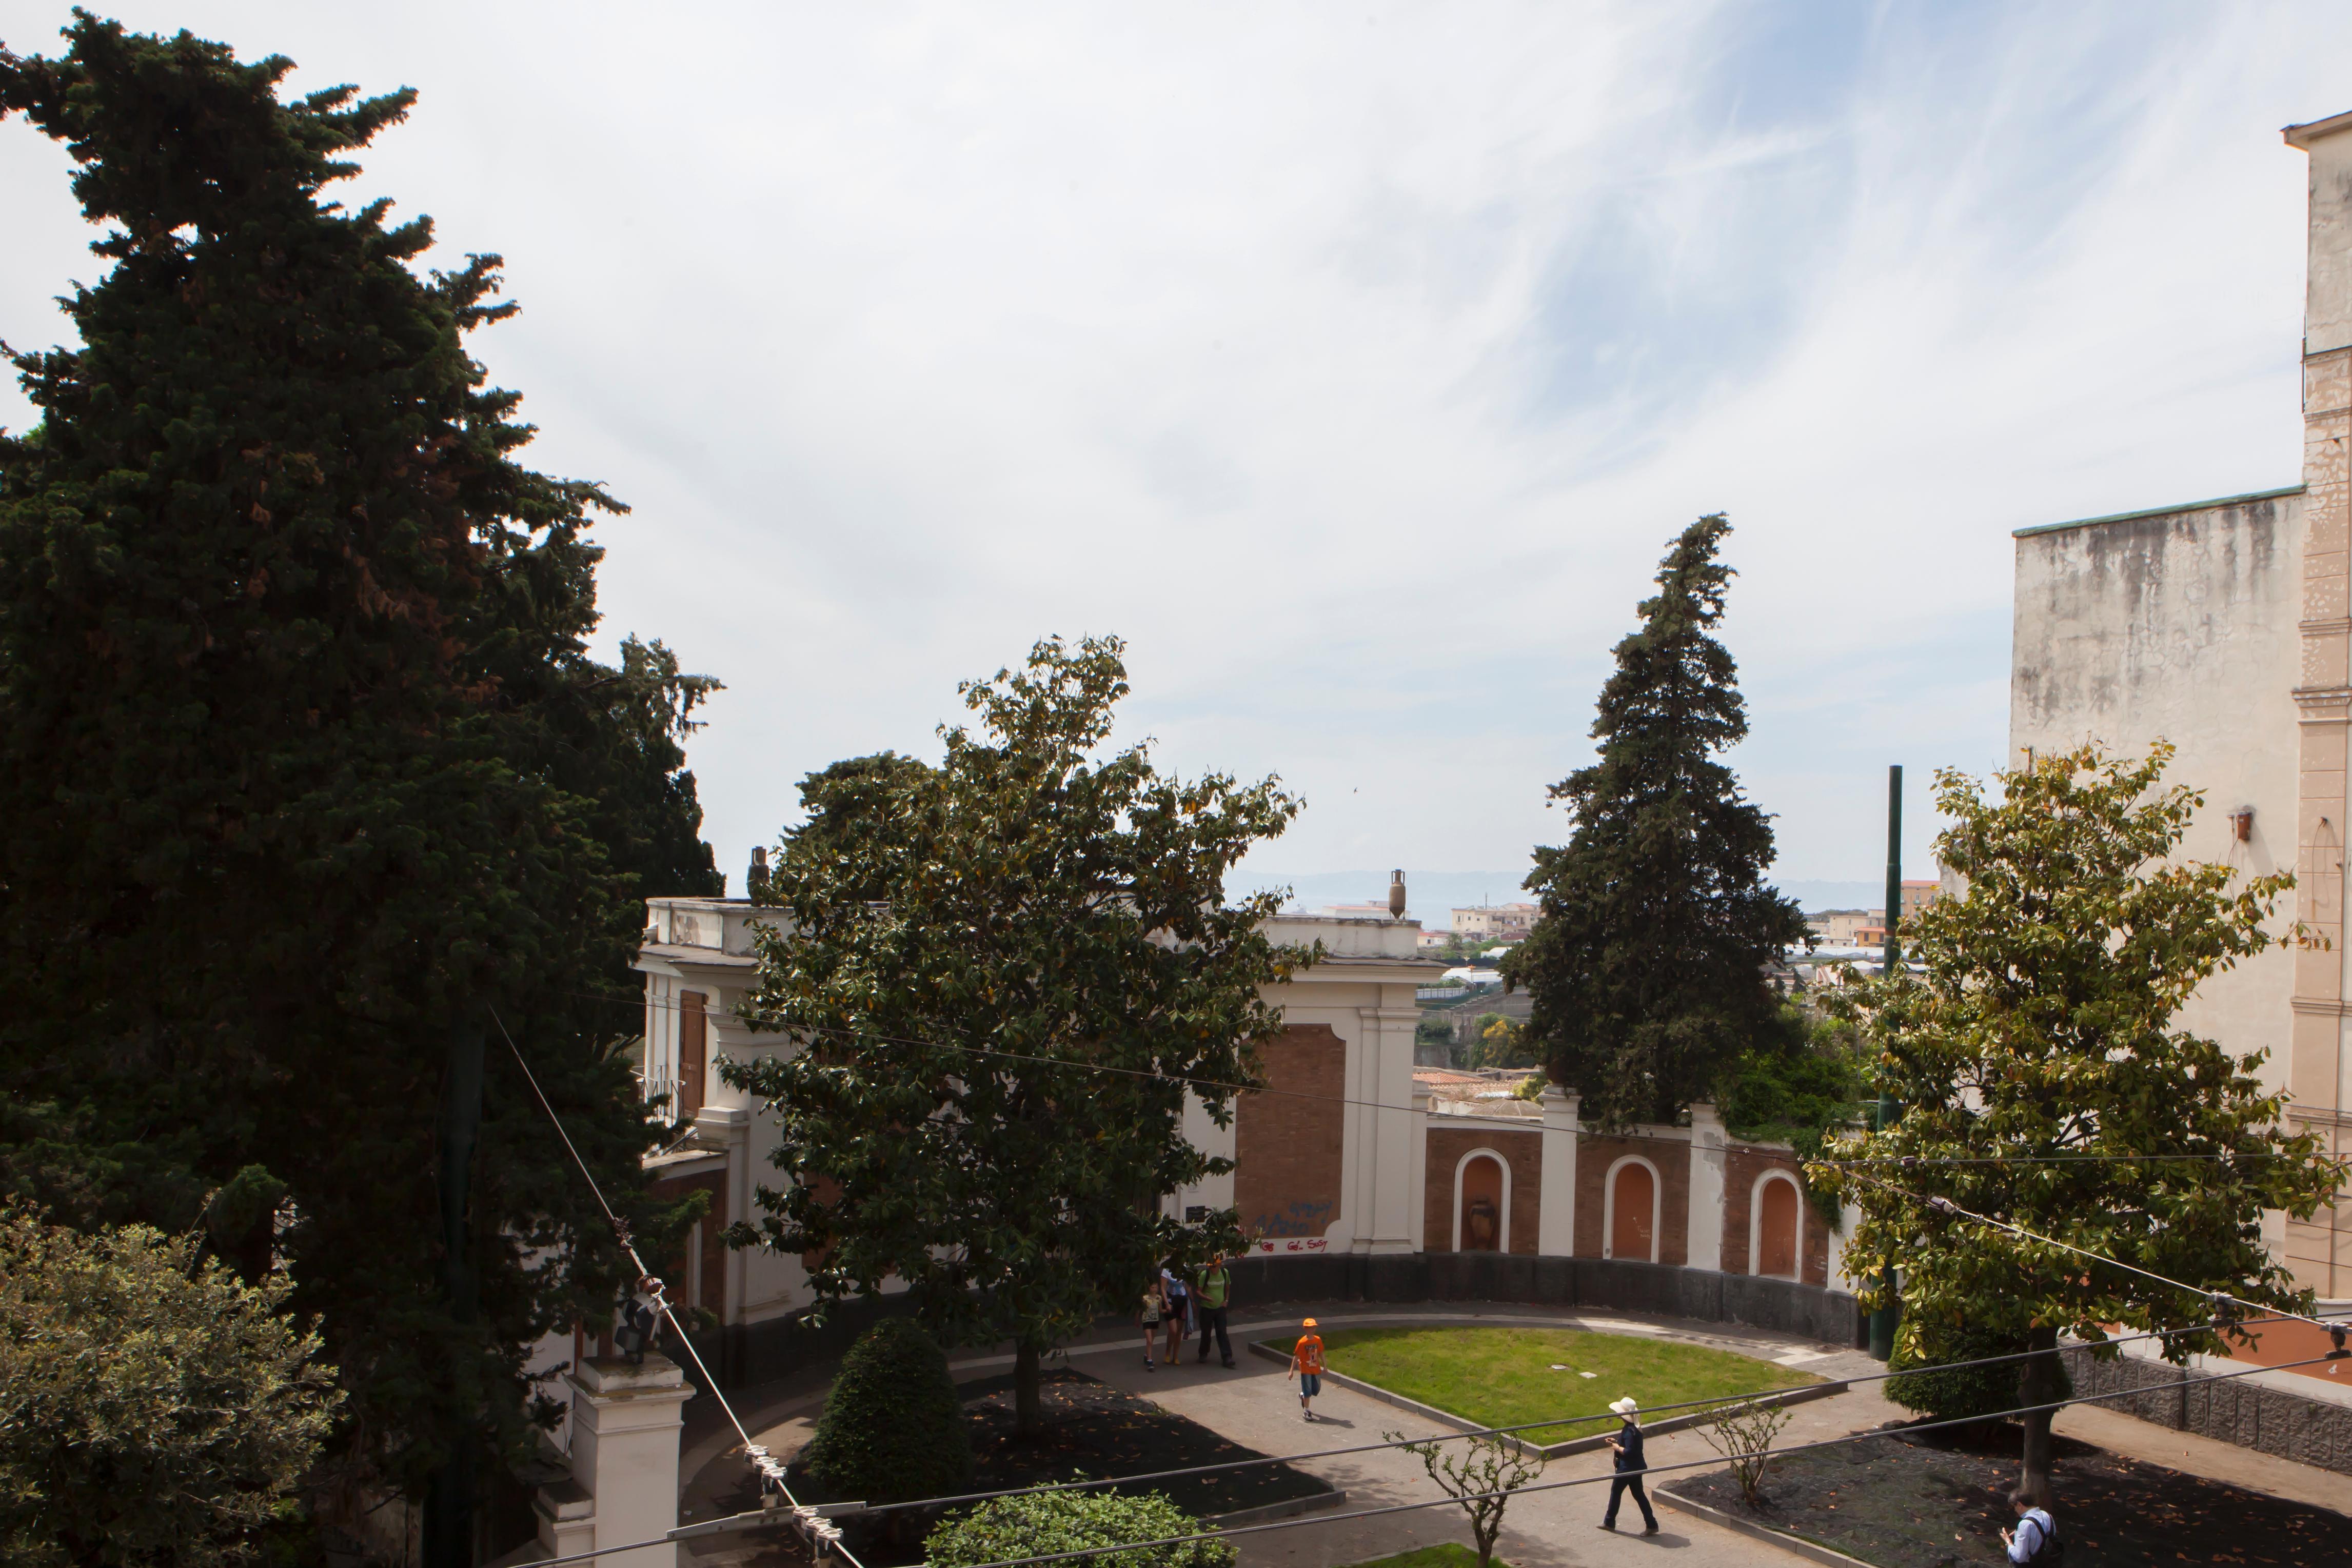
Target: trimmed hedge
{"type": "Point", "coordinates": [1924, 1385]}
{"type": "Point", "coordinates": [1048, 1521]}
{"type": "Point", "coordinates": [893, 1429]}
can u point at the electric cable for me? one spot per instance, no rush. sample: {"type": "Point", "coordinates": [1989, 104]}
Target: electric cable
{"type": "Point", "coordinates": [1905, 1160]}
{"type": "Point", "coordinates": [822, 1534]}
{"type": "Point", "coordinates": [772, 1468]}
{"type": "Point", "coordinates": [748, 1520]}
{"type": "Point", "coordinates": [1943, 1205]}
{"type": "Point", "coordinates": [1720, 1399]}
{"type": "Point", "coordinates": [1646, 1472]}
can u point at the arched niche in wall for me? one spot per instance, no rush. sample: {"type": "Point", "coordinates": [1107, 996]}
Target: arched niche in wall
{"type": "Point", "coordinates": [1482, 1202]}
{"type": "Point", "coordinates": [1630, 1219]}
{"type": "Point", "coordinates": [1776, 1226]}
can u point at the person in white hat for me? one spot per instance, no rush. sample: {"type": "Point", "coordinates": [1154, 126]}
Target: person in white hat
{"type": "Point", "coordinates": [1628, 1444]}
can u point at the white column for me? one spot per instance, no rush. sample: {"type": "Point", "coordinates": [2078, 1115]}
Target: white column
{"type": "Point", "coordinates": [1421, 1167]}
{"type": "Point", "coordinates": [1556, 1220]}
{"type": "Point", "coordinates": [625, 1438]}
{"type": "Point", "coordinates": [729, 1127]}
{"type": "Point", "coordinates": [1707, 1219]}
{"type": "Point", "coordinates": [1848, 1217]}
{"type": "Point", "coordinates": [1396, 1214]}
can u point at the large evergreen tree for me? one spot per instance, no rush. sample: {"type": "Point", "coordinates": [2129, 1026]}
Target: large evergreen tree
{"type": "Point", "coordinates": [305, 771]}
{"type": "Point", "coordinates": [1646, 964]}
{"type": "Point", "coordinates": [1012, 971]}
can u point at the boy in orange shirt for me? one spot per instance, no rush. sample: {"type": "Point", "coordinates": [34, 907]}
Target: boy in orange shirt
{"type": "Point", "coordinates": [1306, 1361]}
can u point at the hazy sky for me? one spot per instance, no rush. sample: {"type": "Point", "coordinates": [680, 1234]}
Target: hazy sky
{"type": "Point", "coordinates": [1355, 362]}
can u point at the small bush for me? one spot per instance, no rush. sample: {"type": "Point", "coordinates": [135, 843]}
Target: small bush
{"type": "Point", "coordinates": [1043, 1522]}
{"type": "Point", "coordinates": [893, 1429]}
{"type": "Point", "coordinates": [1922, 1350]}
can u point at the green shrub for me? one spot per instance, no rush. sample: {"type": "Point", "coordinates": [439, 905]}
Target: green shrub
{"type": "Point", "coordinates": [893, 1429]}
{"type": "Point", "coordinates": [1969, 1392]}
{"type": "Point", "coordinates": [1049, 1522]}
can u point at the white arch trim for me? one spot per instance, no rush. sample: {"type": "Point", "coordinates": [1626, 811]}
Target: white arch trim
{"type": "Point", "coordinates": [1609, 1207]}
{"type": "Point", "coordinates": [1503, 1230]}
{"type": "Point", "coordinates": [1756, 1225]}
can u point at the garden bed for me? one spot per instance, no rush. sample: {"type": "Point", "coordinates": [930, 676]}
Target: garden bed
{"type": "Point", "coordinates": [1925, 1501]}
{"type": "Point", "coordinates": [1505, 1376]}
{"type": "Point", "coordinates": [1095, 1430]}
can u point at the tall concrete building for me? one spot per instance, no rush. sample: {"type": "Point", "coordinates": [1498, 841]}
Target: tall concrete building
{"type": "Point", "coordinates": [2225, 627]}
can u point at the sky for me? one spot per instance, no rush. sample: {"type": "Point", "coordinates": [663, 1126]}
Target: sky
{"type": "Point", "coordinates": [1355, 364]}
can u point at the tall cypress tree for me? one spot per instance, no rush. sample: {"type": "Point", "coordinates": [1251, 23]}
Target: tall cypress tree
{"type": "Point", "coordinates": [1646, 964]}
{"type": "Point", "coordinates": [308, 783]}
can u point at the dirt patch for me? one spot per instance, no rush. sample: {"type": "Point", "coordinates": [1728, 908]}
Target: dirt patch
{"type": "Point", "coordinates": [1903, 1501]}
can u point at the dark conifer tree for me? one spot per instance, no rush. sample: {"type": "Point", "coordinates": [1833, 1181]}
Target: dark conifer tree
{"type": "Point", "coordinates": [1646, 965]}
{"type": "Point", "coordinates": [305, 771]}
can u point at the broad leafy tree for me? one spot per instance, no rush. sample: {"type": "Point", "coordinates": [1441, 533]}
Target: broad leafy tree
{"type": "Point", "coordinates": [1646, 963]}
{"type": "Point", "coordinates": [155, 1408]}
{"type": "Point", "coordinates": [1011, 971]}
{"type": "Point", "coordinates": [2046, 1084]}
{"type": "Point", "coordinates": [305, 771]}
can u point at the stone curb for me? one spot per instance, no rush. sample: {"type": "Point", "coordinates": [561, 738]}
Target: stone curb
{"type": "Point", "coordinates": [1786, 1543]}
{"type": "Point", "coordinates": [1545, 1450]}
{"type": "Point", "coordinates": [1274, 1510]}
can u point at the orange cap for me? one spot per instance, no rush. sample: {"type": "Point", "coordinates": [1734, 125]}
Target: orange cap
{"type": "Point", "coordinates": [1308, 1324]}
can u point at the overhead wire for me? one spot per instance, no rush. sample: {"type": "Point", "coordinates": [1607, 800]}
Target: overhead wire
{"type": "Point", "coordinates": [2053, 1405]}
{"type": "Point", "coordinates": [636, 1003]}
{"type": "Point", "coordinates": [773, 1471]}
{"type": "Point", "coordinates": [1945, 1206]}
{"type": "Point", "coordinates": [821, 1533]}
{"type": "Point", "coordinates": [1450, 1501]}
{"type": "Point", "coordinates": [1466, 1433]}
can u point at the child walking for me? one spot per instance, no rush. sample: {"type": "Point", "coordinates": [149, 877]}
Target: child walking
{"type": "Point", "coordinates": [1171, 1287]}
{"type": "Point", "coordinates": [1155, 1307]}
{"type": "Point", "coordinates": [1306, 1364]}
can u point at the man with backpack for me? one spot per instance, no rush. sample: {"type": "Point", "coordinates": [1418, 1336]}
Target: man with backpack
{"type": "Point", "coordinates": [2035, 1539]}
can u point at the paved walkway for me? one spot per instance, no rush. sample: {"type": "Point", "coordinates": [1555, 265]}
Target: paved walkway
{"type": "Point", "coordinates": [1254, 1405]}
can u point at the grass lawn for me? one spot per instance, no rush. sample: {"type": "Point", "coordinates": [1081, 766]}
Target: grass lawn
{"type": "Point", "coordinates": [1503, 1376]}
{"type": "Point", "coordinates": [1450, 1555]}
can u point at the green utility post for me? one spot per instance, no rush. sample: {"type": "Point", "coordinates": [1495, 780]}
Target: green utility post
{"type": "Point", "coordinates": [1883, 1321]}
{"type": "Point", "coordinates": [448, 1540]}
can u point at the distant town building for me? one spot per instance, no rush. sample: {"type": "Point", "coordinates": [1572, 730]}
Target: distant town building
{"type": "Point", "coordinates": [1843, 928]}
{"type": "Point", "coordinates": [1918, 895]}
{"type": "Point", "coordinates": [1487, 921]}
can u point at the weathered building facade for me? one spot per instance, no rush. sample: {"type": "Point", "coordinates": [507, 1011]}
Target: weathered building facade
{"type": "Point", "coordinates": [2224, 627]}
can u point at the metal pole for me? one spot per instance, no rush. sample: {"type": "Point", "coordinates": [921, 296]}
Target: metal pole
{"type": "Point", "coordinates": [448, 1539]}
{"type": "Point", "coordinates": [1883, 1321]}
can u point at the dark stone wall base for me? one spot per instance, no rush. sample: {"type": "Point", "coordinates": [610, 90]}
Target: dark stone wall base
{"type": "Point", "coordinates": [2226, 1409]}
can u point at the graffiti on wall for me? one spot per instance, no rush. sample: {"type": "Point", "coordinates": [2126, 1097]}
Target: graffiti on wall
{"type": "Point", "coordinates": [1300, 1220]}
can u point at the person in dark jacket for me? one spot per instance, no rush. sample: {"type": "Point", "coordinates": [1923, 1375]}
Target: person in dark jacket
{"type": "Point", "coordinates": [1630, 1466]}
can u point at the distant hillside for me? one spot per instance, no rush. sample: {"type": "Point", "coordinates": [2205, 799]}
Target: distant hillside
{"type": "Point", "coordinates": [1431, 894]}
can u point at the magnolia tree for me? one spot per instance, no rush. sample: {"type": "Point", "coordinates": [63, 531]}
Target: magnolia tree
{"type": "Point", "coordinates": [1011, 972]}
{"type": "Point", "coordinates": [155, 1408]}
{"type": "Point", "coordinates": [2046, 1084]}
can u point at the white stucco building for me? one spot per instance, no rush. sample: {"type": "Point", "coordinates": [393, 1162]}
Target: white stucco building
{"type": "Point", "coordinates": [2223, 626]}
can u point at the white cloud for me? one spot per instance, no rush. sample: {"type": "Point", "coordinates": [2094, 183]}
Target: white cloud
{"type": "Point", "coordinates": [1355, 365]}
